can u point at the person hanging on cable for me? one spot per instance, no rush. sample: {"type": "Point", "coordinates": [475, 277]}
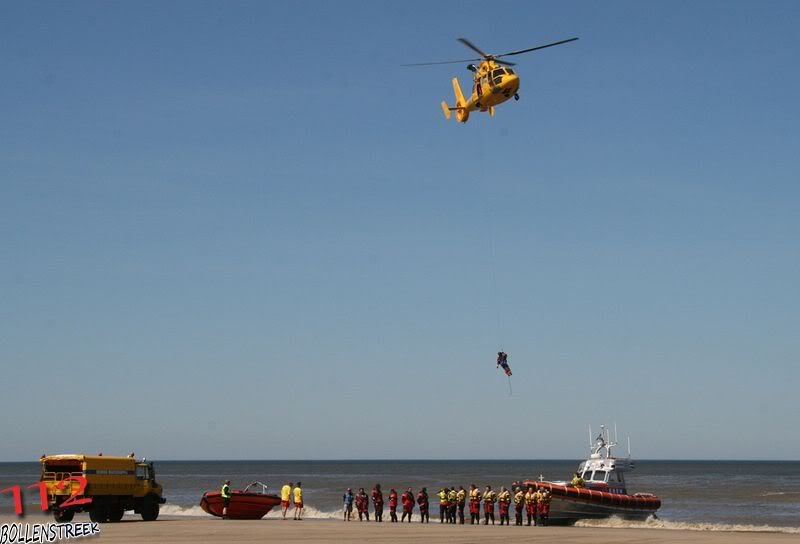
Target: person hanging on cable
{"type": "Point", "coordinates": [502, 360]}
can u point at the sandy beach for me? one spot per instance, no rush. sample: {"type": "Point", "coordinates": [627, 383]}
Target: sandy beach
{"type": "Point", "coordinates": [213, 530]}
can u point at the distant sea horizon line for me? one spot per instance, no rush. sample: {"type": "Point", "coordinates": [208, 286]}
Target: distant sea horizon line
{"type": "Point", "coordinates": [429, 460]}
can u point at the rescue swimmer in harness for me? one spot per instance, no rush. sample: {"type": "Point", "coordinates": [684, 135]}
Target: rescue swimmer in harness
{"type": "Point", "coordinates": [502, 360]}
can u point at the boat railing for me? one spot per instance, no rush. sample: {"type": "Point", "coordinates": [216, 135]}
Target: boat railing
{"type": "Point", "coordinates": [258, 487]}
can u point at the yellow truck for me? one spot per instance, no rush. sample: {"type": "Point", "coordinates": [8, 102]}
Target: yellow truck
{"type": "Point", "coordinates": [103, 485]}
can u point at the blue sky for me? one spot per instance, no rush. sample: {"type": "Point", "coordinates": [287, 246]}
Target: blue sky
{"type": "Point", "coordinates": [243, 230]}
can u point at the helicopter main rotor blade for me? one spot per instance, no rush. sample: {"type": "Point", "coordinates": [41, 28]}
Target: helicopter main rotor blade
{"type": "Point", "coordinates": [441, 62]}
{"type": "Point", "coordinates": [486, 56]}
{"type": "Point", "coordinates": [473, 47]}
{"type": "Point", "coordinates": [505, 62]}
{"type": "Point", "coordinates": [535, 48]}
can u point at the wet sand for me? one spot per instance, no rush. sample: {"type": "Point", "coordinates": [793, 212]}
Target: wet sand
{"type": "Point", "coordinates": [214, 530]}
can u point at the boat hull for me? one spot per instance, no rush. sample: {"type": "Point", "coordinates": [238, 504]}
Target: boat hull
{"type": "Point", "coordinates": [569, 504]}
{"type": "Point", "coordinates": [242, 505]}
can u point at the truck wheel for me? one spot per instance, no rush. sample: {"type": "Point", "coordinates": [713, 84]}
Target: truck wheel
{"type": "Point", "coordinates": [63, 516]}
{"type": "Point", "coordinates": [99, 512]}
{"type": "Point", "coordinates": [150, 508]}
{"type": "Point", "coordinates": [115, 513]}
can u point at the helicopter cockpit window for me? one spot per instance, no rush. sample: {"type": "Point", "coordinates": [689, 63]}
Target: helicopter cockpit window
{"type": "Point", "coordinates": [497, 73]}
{"type": "Point", "coordinates": [509, 71]}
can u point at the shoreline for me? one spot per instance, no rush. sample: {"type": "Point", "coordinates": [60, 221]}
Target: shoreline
{"type": "Point", "coordinates": [188, 529]}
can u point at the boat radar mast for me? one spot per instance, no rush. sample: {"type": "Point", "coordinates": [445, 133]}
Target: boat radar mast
{"type": "Point", "coordinates": [601, 447]}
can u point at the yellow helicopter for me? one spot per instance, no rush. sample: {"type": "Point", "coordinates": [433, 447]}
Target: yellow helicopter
{"type": "Point", "coordinates": [492, 84]}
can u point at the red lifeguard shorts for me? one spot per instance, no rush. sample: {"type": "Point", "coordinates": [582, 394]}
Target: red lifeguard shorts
{"type": "Point", "coordinates": [544, 509]}
{"type": "Point", "coordinates": [285, 504]}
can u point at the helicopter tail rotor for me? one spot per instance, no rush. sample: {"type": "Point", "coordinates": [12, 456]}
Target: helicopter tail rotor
{"type": "Point", "coordinates": [461, 108]}
{"type": "Point", "coordinates": [462, 113]}
{"type": "Point", "coordinates": [460, 101]}
{"type": "Point", "coordinates": [446, 110]}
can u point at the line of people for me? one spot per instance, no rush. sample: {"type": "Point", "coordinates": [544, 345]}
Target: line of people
{"type": "Point", "coordinates": [361, 502]}
{"type": "Point", "coordinates": [533, 503]}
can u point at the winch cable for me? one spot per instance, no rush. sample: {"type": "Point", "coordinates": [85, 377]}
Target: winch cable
{"type": "Point", "coordinates": [489, 208]}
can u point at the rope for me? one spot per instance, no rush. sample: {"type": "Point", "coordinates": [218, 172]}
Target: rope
{"type": "Point", "coordinates": [489, 217]}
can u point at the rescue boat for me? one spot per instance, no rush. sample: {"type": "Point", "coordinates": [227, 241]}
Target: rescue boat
{"type": "Point", "coordinates": [252, 503]}
{"type": "Point", "coordinates": [602, 494]}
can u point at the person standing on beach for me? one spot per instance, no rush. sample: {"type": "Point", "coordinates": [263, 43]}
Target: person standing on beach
{"type": "Point", "coordinates": [530, 504]}
{"type": "Point", "coordinates": [442, 494]}
{"type": "Point", "coordinates": [362, 504]}
{"type": "Point", "coordinates": [225, 493]}
{"type": "Point", "coordinates": [461, 500]}
{"type": "Point", "coordinates": [407, 499]}
{"type": "Point", "coordinates": [359, 507]}
{"type": "Point", "coordinates": [298, 502]}
{"type": "Point", "coordinates": [504, 498]}
{"type": "Point", "coordinates": [544, 506]}
{"type": "Point", "coordinates": [348, 499]}
{"type": "Point", "coordinates": [519, 503]}
{"type": "Point", "coordinates": [286, 495]}
{"type": "Point", "coordinates": [452, 496]}
{"type": "Point", "coordinates": [377, 502]}
{"type": "Point", "coordinates": [489, 498]}
{"type": "Point", "coordinates": [424, 505]}
{"type": "Point", "coordinates": [537, 505]}
{"type": "Point", "coordinates": [474, 505]}
{"type": "Point", "coordinates": [393, 505]}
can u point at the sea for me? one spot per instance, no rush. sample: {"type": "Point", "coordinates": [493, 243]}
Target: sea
{"type": "Point", "coordinates": [696, 495]}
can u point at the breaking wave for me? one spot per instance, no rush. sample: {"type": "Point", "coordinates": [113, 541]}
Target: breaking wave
{"type": "Point", "coordinates": [653, 523]}
{"type": "Point", "coordinates": [779, 493]}
{"type": "Point", "coordinates": [176, 510]}
{"type": "Point", "coordinates": [313, 513]}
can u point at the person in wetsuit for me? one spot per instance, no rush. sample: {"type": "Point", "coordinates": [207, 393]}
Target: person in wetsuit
{"type": "Point", "coordinates": [377, 502]}
{"type": "Point", "coordinates": [393, 505]}
{"type": "Point", "coordinates": [424, 506]}
{"type": "Point", "coordinates": [502, 360]}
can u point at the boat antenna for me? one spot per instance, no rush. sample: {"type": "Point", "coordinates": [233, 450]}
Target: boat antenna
{"type": "Point", "coordinates": [590, 437]}
{"type": "Point", "coordinates": [616, 438]}
{"type": "Point", "coordinates": [629, 446]}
